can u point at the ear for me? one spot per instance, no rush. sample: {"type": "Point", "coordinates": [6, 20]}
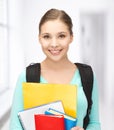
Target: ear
{"type": "Point", "coordinates": [71, 38]}
{"type": "Point", "coordinates": [39, 38]}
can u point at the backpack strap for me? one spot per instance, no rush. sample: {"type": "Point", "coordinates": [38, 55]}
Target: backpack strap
{"type": "Point", "coordinates": [33, 73]}
{"type": "Point", "coordinates": [86, 75]}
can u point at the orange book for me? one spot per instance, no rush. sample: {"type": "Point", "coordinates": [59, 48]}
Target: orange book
{"type": "Point", "coordinates": [49, 122]}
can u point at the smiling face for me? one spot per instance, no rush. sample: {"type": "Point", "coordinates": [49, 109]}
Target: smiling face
{"type": "Point", "coordinates": [55, 38]}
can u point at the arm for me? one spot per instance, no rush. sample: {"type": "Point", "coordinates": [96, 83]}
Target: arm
{"type": "Point", "coordinates": [94, 115]}
{"type": "Point", "coordinates": [94, 123]}
{"type": "Point", "coordinates": [17, 104]}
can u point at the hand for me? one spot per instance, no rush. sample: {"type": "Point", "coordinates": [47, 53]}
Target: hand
{"type": "Point", "coordinates": [77, 128]}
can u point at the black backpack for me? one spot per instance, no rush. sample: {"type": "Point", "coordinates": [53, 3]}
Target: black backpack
{"type": "Point", "coordinates": [86, 73]}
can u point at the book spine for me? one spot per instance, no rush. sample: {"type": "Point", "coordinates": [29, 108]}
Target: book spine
{"type": "Point", "coordinates": [21, 122]}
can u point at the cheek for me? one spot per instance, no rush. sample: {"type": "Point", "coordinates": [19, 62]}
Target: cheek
{"type": "Point", "coordinates": [43, 44]}
{"type": "Point", "coordinates": [66, 43]}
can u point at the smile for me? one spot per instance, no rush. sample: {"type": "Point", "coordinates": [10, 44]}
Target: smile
{"type": "Point", "coordinates": [55, 52]}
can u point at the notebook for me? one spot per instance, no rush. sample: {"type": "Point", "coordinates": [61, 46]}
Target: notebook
{"type": "Point", "coordinates": [26, 117]}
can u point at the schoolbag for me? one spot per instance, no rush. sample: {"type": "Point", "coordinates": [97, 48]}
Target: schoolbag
{"type": "Point", "coordinates": [86, 73]}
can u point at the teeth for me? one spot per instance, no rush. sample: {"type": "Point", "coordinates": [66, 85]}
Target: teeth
{"type": "Point", "coordinates": [55, 51]}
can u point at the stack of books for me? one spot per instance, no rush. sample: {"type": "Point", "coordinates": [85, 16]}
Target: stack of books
{"type": "Point", "coordinates": [49, 106]}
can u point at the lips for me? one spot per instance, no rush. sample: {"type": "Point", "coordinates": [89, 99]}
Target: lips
{"type": "Point", "coordinates": [55, 52]}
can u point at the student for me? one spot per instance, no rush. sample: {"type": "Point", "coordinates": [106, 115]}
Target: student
{"type": "Point", "coordinates": [55, 36]}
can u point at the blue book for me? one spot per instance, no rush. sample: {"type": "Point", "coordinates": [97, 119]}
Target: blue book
{"type": "Point", "coordinates": [69, 121]}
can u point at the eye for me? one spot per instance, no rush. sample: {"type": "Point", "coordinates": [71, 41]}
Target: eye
{"type": "Point", "coordinates": [46, 36]}
{"type": "Point", "coordinates": [62, 36]}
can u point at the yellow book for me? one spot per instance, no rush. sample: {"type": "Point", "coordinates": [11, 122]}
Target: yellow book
{"type": "Point", "coordinates": [35, 94]}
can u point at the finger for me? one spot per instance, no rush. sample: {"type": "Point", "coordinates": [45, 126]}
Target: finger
{"type": "Point", "coordinates": [77, 128]}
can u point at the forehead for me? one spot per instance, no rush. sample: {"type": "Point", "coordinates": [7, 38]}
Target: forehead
{"type": "Point", "coordinates": [54, 26]}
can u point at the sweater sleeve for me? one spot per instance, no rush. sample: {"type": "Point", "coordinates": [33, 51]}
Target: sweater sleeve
{"type": "Point", "coordinates": [17, 104]}
{"type": "Point", "coordinates": [94, 123]}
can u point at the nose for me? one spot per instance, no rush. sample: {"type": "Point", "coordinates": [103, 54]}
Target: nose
{"type": "Point", "coordinates": [54, 42]}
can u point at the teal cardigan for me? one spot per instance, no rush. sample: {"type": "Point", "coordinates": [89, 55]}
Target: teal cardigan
{"type": "Point", "coordinates": [94, 124]}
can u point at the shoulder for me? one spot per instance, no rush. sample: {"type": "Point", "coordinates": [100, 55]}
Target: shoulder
{"type": "Point", "coordinates": [85, 71]}
{"type": "Point", "coordinates": [18, 89]}
{"type": "Point", "coordinates": [83, 66]}
{"type": "Point", "coordinates": [22, 76]}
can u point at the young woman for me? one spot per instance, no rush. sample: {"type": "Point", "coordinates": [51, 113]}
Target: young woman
{"type": "Point", "coordinates": [55, 36]}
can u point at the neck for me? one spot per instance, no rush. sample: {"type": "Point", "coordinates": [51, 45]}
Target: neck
{"type": "Point", "coordinates": [55, 65]}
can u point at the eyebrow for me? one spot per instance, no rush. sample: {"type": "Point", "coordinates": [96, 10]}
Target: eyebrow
{"type": "Point", "coordinates": [49, 33]}
{"type": "Point", "coordinates": [45, 34]}
{"type": "Point", "coordinates": [62, 32]}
